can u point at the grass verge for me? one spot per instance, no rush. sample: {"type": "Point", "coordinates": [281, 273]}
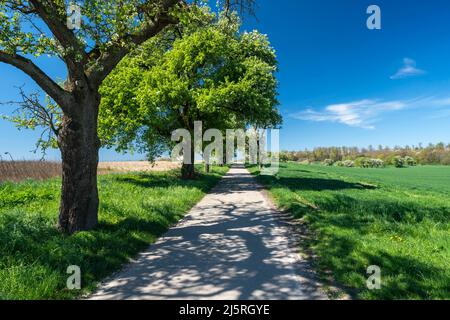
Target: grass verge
{"type": "Point", "coordinates": [397, 219]}
{"type": "Point", "coordinates": [135, 209]}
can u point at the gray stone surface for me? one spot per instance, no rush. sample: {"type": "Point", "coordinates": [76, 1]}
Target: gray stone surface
{"type": "Point", "coordinates": [232, 245]}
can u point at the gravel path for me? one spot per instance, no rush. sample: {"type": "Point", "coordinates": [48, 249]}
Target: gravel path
{"type": "Point", "coordinates": [232, 245]}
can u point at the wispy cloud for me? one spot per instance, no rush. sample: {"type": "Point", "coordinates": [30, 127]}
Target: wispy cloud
{"type": "Point", "coordinates": [409, 69]}
{"type": "Point", "coordinates": [441, 107]}
{"type": "Point", "coordinates": [441, 102]}
{"type": "Point", "coordinates": [362, 113]}
{"type": "Point", "coordinates": [366, 113]}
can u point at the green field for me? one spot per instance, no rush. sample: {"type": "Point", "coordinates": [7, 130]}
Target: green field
{"type": "Point", "coordinates": [397, 219]}
{"type": "Point", "coordinates": [135, 209]}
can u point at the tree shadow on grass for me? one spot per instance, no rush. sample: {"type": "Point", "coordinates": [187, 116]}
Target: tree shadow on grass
{"type": "Point", "coordinates": [393, 211]}
{"type": "Point", "coordinates": [204, 183]}
{"type": "Point", "coordinates": [149, 180]}
{"type": "Point", "coordinates": [313, 184]}
{"type": "Point", "coordinates": [158, 221]}
{"type": "Point", "coordinates": [36, 247]}
{"type": "Point", "coordinates": [404, 277]}
{"type": "Point", "coordinates": [344, 218]}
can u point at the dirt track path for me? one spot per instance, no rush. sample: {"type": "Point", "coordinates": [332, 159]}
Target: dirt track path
{"type": "Point", "coordinates": [232, 245]}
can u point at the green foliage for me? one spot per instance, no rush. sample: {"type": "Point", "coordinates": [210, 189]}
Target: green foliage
{"type": "Point", "coordinates": [361, 162]}
{"type": "Point", "coordinates": [339, 163]}
{"type": "Point", "coordinates": [104, 23]}
{"type": "Point", "coordinates": [13, 37]}
{"type": "Point", "coordinates": [395, 219]}
{"type": "Point", "coordinates": [402, 162]}
{"type": "Point", "coordinates": [135, 210]}
{"type": "Point", "coordinates": [209, 73]}
{"type": "Point", "coordinates": [107, 32]}
{"type": "Point", "coordinates": [410, 161]}
{"type": "Point", "coordinates": [348, 163]}
{"type": "Point", "coordinates": [399, 162]}
{"type": "Point", "coordinates": [365, 162]}
{"type": "Point", "coordinates": [286, 156]}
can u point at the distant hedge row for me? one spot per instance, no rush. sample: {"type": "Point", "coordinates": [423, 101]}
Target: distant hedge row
{"type": "Point", "coordinates": [364, 162]}
{"type": "Point", "coordinates": [397, 156]}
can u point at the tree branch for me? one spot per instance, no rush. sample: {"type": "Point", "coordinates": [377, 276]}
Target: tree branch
{"type": "Point", "coordinates": [109, 59]}
{"type": "Point", "coordinates": [62, 33]}
{"type": "Point", "coordinates": [58, 94]}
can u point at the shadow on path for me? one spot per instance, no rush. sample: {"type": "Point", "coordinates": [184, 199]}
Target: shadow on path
{"type": "Point", "coordinates": [231, 246]}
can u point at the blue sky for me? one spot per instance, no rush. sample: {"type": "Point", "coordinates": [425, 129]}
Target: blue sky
{"type": "Point", "coordinates": [340, 83]}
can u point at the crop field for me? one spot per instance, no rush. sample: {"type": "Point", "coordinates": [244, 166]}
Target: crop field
{"type": "Point", "coordinates": [396, 219]}
{"type": "Point", "coordinates": [135, 209]}
{"type": "Point", "coordinates": [22, 170]}
{"type": "Point", "coordinates": [17, 171]}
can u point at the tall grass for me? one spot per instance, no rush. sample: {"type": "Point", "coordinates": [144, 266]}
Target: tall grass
{"type": "Point", "coordinates": [21, 170]}
{"type": "Point", "coordinates": [17, 171]}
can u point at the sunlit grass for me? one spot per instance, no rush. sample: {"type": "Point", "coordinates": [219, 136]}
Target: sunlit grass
{"type": "Point", "coordinates": [135, 209]}
{"type": "Point", "coordinates": [398, 219]}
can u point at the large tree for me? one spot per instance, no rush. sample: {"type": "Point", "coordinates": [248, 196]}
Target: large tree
{"type": "Point", "coordinates": [211, 73]}
{"type": "Point", "coordinates": [90, 51]}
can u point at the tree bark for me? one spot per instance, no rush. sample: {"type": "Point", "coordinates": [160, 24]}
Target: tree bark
{"type": "Point", "coordinates": [188, 169]}
{"type": "Point", "coordinates": [79, 144]}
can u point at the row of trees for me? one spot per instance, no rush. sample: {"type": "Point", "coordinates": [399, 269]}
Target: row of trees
{"type": "Point", "coordinates": [201, 70]}
{"type": "Point", "coordinates": [438, 154]}
{"type": "Point", "coordinates": [135, 70]}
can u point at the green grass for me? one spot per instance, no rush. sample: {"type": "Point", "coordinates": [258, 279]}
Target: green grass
{"type": "Point", "coordinates": [398, 219]}
{"type": "Point", "coordinates": [135, 209]}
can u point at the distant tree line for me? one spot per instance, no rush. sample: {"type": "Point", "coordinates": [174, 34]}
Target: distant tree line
{"type": "Point", "coordinates": [432, 154]}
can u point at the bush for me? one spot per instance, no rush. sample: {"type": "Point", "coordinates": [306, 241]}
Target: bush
{"type": "Point", "coordinates": [364, 162]}
{"type": "Point", "coordinates": [339, 164]}
{"type": "Point", "coordinates": [399, 162]}
{"type": "Point", "coordinates": [328, 162]}
{"type": "Point", "coordinates": [446, 160]}
{"type": "Point", "coordinates": [410, 161]}
{"type": "Point", "coordinates": [349, 163]}
{"type": "Point", "coordinates": [286, 156]}
{"type": "Point", "coordinates": [376, 163]}
{"type": "Point", "coordinates": [305, 162]}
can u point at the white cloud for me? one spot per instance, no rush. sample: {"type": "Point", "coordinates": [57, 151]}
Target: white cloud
{"type": "Point", "coordinates": [409, 69]}
{"type": "Point", "coordinates": [362, 114]}
{"type": "Point", "coordinates": [365, 113]}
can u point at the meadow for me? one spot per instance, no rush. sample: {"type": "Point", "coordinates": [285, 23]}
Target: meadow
{"type": "Point", "coordinates": [135, 209]}
{"type": "Point", "coordinates": [397, 219]}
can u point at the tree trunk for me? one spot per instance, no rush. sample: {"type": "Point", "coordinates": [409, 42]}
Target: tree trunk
{"type": "Point", "coordinates": [207, 167]}
{"type": "Point", "coordinates": [260, 155]}
{"type": "Point", "coordinates": [224, 156]}
{"type": "Point", "coordinates": [79, 145]}
{"type": "Point", "coordinates": [188, 169]}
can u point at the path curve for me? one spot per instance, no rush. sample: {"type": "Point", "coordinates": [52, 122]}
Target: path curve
{"type": "Point", "coordinates": [232, 245]}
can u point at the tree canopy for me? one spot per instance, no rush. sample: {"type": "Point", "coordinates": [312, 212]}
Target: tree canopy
{"type": "Point", "coordinates": [211, 73]}
{"type": "Point", "coordinates": [91, 37]}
